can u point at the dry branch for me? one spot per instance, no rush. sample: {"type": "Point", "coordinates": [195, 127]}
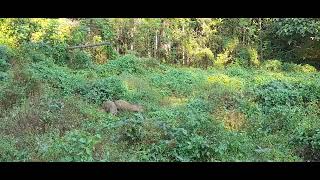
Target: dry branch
{"type": "Point", "coordinates": [89, 45]}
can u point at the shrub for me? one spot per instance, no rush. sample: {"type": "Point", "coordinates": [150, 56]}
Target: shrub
{"type": "Point", "coordinates": [281, 118]}
{"type": "Point", "coordinates": [273, 65]}
{"type": "Point", "coordinates": [8, 152]}
{"type": "Point", "coordinates": [4, 66]}
{"type": "Point", "coordinates": [306, 141]}
{"type": "Point", "coordinates": [140, 91]}
{"type": "Point", "coordinates": [128, 63]}
{"type": "Point", "coordinates": [298, 68]}
{"type": "Point", "coordinates": [248, 57]}
{"type": "Point", "coordinates": [221, 96]}
{"type": "Point", "coordinates": [168, 115]}
{"type": "Point", "coordinates": [227, 56]}
{"type": "Point", "coordinates": [230, 82]}
{"type": "Point", "coordinates": [278, 93]}
{"type": "Point", "coordinates": [180, 145]}
{"type": "Point", "coordinates": [131, 130]}
{"type": "Point", "coordinates": [308, 68]}
{"type": "Point", "coordinates": [40, 51]}
{"type": "Point", "coordinates": [310, 92]}
{"type": "Point", "coordinates": [111, 88]}
{"type": "Point", "coordinates": [74, 146]}
{"type": "Point", "coordinates": [202, 57]}
{"type": "Point", "coordinates": [254, 59]}
{"type": "Point", "coordinates": [5, 56]}
{"type": "Point", "coordinates": [305, 135]}
{"type": "Point", "coordinates": [42, 112]}
{"type": "Point", "coordinates": [151, 63]}
{"type": "Point", "coordinates": [4, 76]}
{"type": "Point", "coordinates": [193, 148]}
{"type": "Point", "coordinates": [238, 71]}
{"type": "Point", "coordinates": [80, 59]}
{"type": "Point", "coordinates": [290, 67]}
{"type": "Point", "coordinates": [10, 95]}
{"type": "Point", "coordinates": [19, 85]}
{"type": "Point", "coordinates": [58, 77]}
{"type": "Point", "coordinates": [176, 81]}
{"type": "Point", "coordinates": [214, 144]}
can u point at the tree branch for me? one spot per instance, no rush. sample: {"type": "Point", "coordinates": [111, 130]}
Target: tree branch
{"type": "Point", "coordinates": [89, 45]}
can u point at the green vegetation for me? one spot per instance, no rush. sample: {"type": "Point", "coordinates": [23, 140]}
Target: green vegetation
{"type": "Point", "coordinates": [211, 89]}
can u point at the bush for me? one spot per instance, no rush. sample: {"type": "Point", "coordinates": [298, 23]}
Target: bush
{"type": "Point", "coordinates": [10, 95]}
{"type": "Point", "coordinates": [248, 57]}
{"type": "Point", "coordinates": [306, 141]}
{"type": "Point", "coordinates": [40, 51]}
{"type": "Point", "coordinates": [74, 146]}
{"type": "Point", "coordinates": [202, 58]}
{"type": "Point", "coordinates": [193, 116]}
{"type": "Point", "coordinates": [278, 93]}
{"type": "Point", "coordinates": [140, 91]}
{"type": "Point", "coordinates": [230, 82]}
{"type": "Point", "coordinates": [179, 144]}
{"type": "Point", "coordinates": [221, 96]}
{"type": "Point", "coordinates": [4, 65]}
{"type": "Point", "coordinates": [187, 135]}
{"type": "Point", "coordinates": [80, 59]}
{"type": "Point", "coordinates": [215, 144]}
{"type": "Point", "coordinates": [238, 71]}
{"type": "Point", "coordinates": [8, 152]}
{"type": "Point", "coordinates": [308, 68]}
{"type": "Point", "coordinates": [151, 63]}
{"type": "Point", "coordinates": [254, 59]}
{"type": "Point", "coordinates": [227, 56]}
{"type": "Point", "coordinates": [281, 118]}
{"type": "Point", "coordinates": [128, 63]}
{"type": "Point", "coordinates": [58, 77]}
{"type": "Point", "coordinates": [42, 112]}
{"type": "Point", "coordinates": [176, 81]}
{"type": "Point", "coordinates": [272, 65]}
{"type": "Point", "coordinates": [298, 68]}
{"type": "Point", "coordinates": [5, 56]}
{"type": "Point", "coordinates": [183, 148]}
{"type": "Point", "coordinates": [95, 91]}
{"type": "Point", "coordinates": [305, 135]}
{"type": "Point", "coordinates": [131, 130]}
{"type": "Point", "coordinates": [110, 88]}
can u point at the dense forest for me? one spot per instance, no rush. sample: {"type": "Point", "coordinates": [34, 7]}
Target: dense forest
{"type": "Point", "coordinates": [159, 89]}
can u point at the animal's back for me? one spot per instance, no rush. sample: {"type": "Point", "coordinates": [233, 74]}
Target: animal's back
{"type": "Point", "coordinates": [125, 106]}
{"type": "Point", "coordinates": [111, 107]}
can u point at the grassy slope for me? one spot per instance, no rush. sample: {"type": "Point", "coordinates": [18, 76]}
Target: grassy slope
{"type": "Point", "coordinates": [232, 114]}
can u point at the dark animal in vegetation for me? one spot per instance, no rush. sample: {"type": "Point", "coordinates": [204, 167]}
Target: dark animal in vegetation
{"type": "Point", "coordinates": [121, 105]}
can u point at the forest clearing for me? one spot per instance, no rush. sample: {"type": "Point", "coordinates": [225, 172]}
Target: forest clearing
{"type": "Point", "coordinates": [159, 89]}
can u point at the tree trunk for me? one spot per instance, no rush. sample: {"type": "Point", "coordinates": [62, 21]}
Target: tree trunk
{"type": "Point", "coordinates": [183, 50]}
{"type": "Point", "coordinates": [261, 45]}
{"type": "Point", "coordinates": [156, 45]}
{"type": "Point", "coordinates": [161, 39]}
{"type": "Point", "coordinates": [183, 57]}
{"type": "Point", "coordinates": [132, 35]}
{"type": "Point", "coordinates": [117, 41]}
{"type": "Point", "coordinates": [148, 47]}
{"type": "Point", "coordinates": [243, 35]}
